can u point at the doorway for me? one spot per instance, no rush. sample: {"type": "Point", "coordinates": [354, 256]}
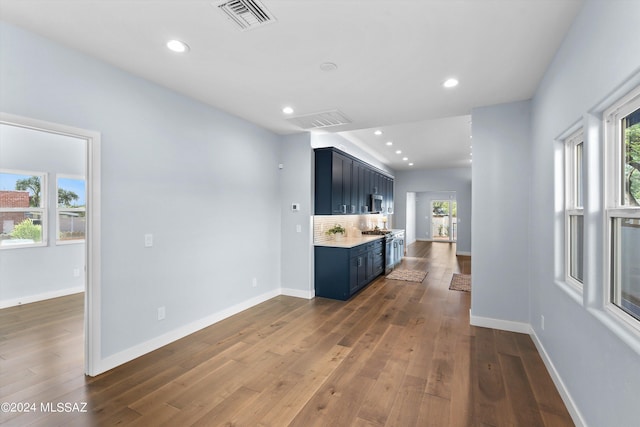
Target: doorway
{"type": "Point", "coordinates": [52, 240]}
{"type": "Point", "coordinates": [444, 226]}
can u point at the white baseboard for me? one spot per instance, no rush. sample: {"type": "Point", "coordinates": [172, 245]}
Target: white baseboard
{"type": "Point", "coordinates": [576, 416]}
{"type": "Point", "coordinates": [503, 325]}
{"type": "Point", "coordinates": [40, 297]}
{"type": "Point", "coordinates": [129, 354]}
{"type": "Point", "coordinates": [297, 293]}
{"type": "Point", "coordinates": [525, 328]}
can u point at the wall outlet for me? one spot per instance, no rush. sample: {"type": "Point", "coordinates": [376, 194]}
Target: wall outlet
{"type": "Point", "coordinates": [76, 272]}
{"type": "Point", "coordinates": [148, 240]}
{"type": "Point", "coordinates": [161, 313]}
{"type": "Point", "coordinates": [542, 322]}
{"type": "Point", "coordinates": [254, 282]}
{"type": "Point", "coordinates": [299, 228]}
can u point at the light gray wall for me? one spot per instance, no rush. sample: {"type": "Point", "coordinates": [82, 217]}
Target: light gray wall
{"type": "Point", "coordinates": [296, 186]}
{"type": "Point", "coordinates": [205, 183]}
{"type": "Point", "coordinates": [30, 273]}
{"type": "Point", "coordinates": [500, 215]}
{"type": "Point", "coordinates": [455, 179]}
{"type": "Point", "coordinates": [596, 358]}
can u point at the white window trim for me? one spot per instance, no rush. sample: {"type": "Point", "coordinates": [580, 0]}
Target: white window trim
{"type": "Point", "coordinates": [59, 210]}
{"type": "Point", "coordinates": [43, 209]}
{"type": "Point", "coordinates": [614, 207]}
{"type": "Point", "coordinates": [571, 207]}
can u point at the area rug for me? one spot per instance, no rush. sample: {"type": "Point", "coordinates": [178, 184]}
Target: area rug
{"type": "Point", "coordinates": [461, 282]}
{"type": "Point", "coordinates": [407, 275]}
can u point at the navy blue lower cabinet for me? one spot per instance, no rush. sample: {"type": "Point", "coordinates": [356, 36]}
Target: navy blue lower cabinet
{"type": "Point", "coordinates": [341, 272]}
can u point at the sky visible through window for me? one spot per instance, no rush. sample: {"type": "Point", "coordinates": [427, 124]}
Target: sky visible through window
{"type": "Point", "coordinates": [8, 182]}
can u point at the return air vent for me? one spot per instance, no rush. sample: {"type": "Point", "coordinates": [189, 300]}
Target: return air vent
{"type": "Point", "coordinates": [320, 120]}
{"type": "Point", "coordinates": [246, 14]}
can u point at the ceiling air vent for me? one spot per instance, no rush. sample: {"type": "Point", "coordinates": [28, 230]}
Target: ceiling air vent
{"type": "Point", "coordinates": [320, 120]}
{"type": "Point", "coordinates": [246, 14]}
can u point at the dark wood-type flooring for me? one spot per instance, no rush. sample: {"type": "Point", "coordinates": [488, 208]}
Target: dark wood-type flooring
{"type": "Point", "coordinates": [397, 354]}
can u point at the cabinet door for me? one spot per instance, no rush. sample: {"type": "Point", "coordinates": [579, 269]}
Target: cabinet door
{"type": "Point", "coordinates": [362, 270]}
{"type": "Point", "coordinates": [356, 187]}
{"type": "Point", "coordinates": [336, 185]}
{"type": "Point", "coordinates": [383, 193]}
{"type": "Point", "coordinates": [366, 188]}
{"type": "Point", "coordinates": [370, 265]}
{"type": "Point", "coordinates": [353, 274]}
{"type": "Point", "coordinates": [347, 179]}
{"type": "Point", "coordinates": [390, 193]}
{"type": "Point", "coordinates": [341, 184]}
{"type": "Point", "coordinates": [377, 259]}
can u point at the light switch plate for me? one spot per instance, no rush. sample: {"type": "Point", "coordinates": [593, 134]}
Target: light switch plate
{"type": "Point", "coordinates": [148, 240]}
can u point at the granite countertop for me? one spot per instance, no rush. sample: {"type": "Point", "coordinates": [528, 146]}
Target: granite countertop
{"type": "Point", "coordinates": [349, 242]}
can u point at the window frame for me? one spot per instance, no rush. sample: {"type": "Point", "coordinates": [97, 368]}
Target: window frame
{"type": "Point", "coordinates": [614, 203]}
{"type": "Point", "coordinates": [572, 208]}
{"type": "Point", "coordinates": [43, 209]}
{"type": "Point", "coordinates": [60, 210]}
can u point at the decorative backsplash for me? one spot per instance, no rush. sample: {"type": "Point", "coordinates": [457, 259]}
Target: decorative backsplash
{"type": "Point", "coordinates": [352, 223]}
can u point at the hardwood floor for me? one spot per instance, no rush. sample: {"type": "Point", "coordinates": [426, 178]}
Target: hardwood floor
{"type": "Point", "coordinates": [397, 354]}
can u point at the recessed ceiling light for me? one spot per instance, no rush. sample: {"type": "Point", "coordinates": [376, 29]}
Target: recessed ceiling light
{"type": "Point", "coordinates": [389, 143]}
{"type": "Point", "coordinates": [328, 66]}
{"type": "Point", "coordinates": [405, 158]}
{"type": "Point", "coordinates": [450, 83]}
{"type": "Point", "coordinates": [378, 132]}
{"type": "Point", "coordinates": [410, 164]}
{"type": "Point", "coordinates": [177, 46]}
{"type": "Point", "coordinates": [287, 110]}
{"type": "Point", "coordinates": [398, 152]}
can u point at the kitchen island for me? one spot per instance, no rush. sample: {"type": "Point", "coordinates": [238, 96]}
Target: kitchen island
{"type": "Point", "coordinates": [344, 267]}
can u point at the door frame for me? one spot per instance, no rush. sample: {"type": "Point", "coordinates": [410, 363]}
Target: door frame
{"type": "Point", "coordinates": [92, 326]}
{"type": "Point", "coordinates": [451, 226]}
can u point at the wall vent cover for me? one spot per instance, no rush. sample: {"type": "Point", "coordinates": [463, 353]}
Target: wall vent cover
{"type": "Point", "coordinates": [320, 120]}
{"type": "Point", "coordinates": [246, 14]}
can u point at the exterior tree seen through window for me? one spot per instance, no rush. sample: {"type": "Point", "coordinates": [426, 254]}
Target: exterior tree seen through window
{"type": "Point", "coordinates": [631, 171]}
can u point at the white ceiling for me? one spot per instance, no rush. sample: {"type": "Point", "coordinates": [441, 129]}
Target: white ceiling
{"type": "Point", "coordinates": [392, 59]}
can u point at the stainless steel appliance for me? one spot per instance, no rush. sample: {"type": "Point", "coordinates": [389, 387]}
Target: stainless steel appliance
{"type": "Point", "coordinates": [376, 203]}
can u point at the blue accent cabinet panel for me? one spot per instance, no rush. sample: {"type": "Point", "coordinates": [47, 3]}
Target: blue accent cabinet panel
{"type": "Point", "coordinates": [343, 184]}
{"type": "Point", "coordinates": [341, 272]}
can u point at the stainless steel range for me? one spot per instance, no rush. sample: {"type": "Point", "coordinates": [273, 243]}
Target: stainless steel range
{"type": "Point", "coordinates": [394, 247]}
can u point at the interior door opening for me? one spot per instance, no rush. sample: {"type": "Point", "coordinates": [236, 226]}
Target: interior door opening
{"type": "Point", "coordinates": [444, 225]}
{"type": "Point", "coordinates": [69, 219]}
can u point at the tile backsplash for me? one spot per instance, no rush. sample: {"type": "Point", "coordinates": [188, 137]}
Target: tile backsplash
{"type": "Point", "coordinates": [352, 223]}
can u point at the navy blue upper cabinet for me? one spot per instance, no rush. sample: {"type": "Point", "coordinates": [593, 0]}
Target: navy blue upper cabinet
{"type": "Point", "coordinates": [344, 184]}
{"type": "Point", "coordinates": [333, 177]}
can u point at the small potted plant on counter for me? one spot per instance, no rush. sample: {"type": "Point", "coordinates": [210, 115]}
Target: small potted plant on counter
{"type": "Point", "coordinates": [337, 232]}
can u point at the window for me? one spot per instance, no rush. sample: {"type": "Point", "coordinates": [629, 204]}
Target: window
{"type": "Point", "coordinates": [574, 219]}
{"type": "Point", "coordinates": [622, 171]}
{"type": "Point", "coordinates": [71, 210]}
{"type": "Point", "coordinates": [23, 214]}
